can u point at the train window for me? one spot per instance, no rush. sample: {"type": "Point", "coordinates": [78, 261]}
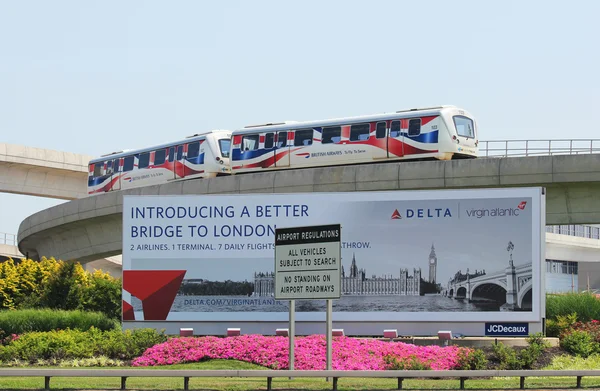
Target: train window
{"type": "Point", "coordinates": [159, 157]}
{"type": "Point", "coordinates": [99, 169]}
{"type": "Point", "coordinates": [128, 163]}
{"type": "Point", "coordinates": [224, 145]}
{"type": "Point", "coordinates": [303, 137]}
{"type": "Point", "coordinates": [414, 127]}
{"type": "Point", "coordinates": [250, 142]}
{"type": "Point", "coordinates": [359, 132]}
{"type": "Point", "coordinates": [116, 165]}
{"type": "Point", "coordinates": [282, 139]}
{"type": "Point", "coordinates": [179, 152]}
{"type": "Point", "coordinates": [109, 169]}
{"type": "Point", "coordinates": [144, 160]}
{"type": "Point", "coordinates": [464, 126]}
{"type": "Point", "coordinates": [395, 129]}
{"type": "Point", "coordinates": [332, 135]}
{"type": "Point", "coordinates": [193, 150]}
{"type": "Point", "coordinates": [380, 130]}
{"type": "Point", "coordinates": [171, 153]}
{"type": "Point", "coordinates": [269, 140]}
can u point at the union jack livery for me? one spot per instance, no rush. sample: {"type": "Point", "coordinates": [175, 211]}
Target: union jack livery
{"type": "Point", "coordinates": [443, 133]}
{"type": "Point", "coordinates": [199, 156]}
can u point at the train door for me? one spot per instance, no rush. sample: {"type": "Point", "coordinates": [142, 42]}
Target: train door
{"type": "Point", "coordinates": [116, 176]}
{"type": "Point", "coordinates": [176, 161]}
{"type": "Point", "coordinates": [282, 150]}
{"type": "Point", "coordinates": [395, 141]}
{"type": "Point", "coordinates": [381, 141]}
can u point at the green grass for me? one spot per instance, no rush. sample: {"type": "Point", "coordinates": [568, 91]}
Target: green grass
{"type": "Point", "coordinates": [244, 384]}
{"type": "Point", "coordinates": [586, 305]}
{"type": "Point", "coordinates": [21, 321]}
{"type": "Point", "coordinates": [566, 362]}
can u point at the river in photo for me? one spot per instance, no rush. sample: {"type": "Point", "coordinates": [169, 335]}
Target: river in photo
{"type": "Point", "coordinates": [359, 303]}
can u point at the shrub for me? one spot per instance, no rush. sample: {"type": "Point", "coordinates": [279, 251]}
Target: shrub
{"type": "Point", "coordinates": [585, 305]}
{"type": "Point", "coordinates": [520, 359]}
{"type": "Point", "coordinates": [64, 290]}
{"type": "Point", "coordinates": [554, 328]}
{"type": "Point", "coordinates": [272, 352]}
{"type": "Point", "coordinates": [58, 285]}
{"type": "Point", "coordinates": [129, 344]}
{"type": "Point", "coordinates": [471, 359]}
{"type": "Point", "coordinates": [580, 343]}
{"type": "Point", "coordinates": [62, 345]}
{"type": "Point", "coordinates": [57, 345]}
{"type": "Point", "coordinates": [592, 328]}
{"type": "Point", "coordinates": [21, 321]}
{"type": "Point", "coordinates": [103, 294]}
{"type": "Point", "coordinates": [412, 362]}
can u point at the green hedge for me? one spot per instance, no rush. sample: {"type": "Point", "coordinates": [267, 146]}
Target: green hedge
{"type": "Point", "coordinates": [76, 344]}
{"type": "Point", "coordinates": [22, 321]}
{"type": "Point", "coordinates": [585, 305]}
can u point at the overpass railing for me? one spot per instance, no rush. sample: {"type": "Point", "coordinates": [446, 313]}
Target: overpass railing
{"type": "Point", "coordinates": [515, 148]}
{"type": "Point", "coordinates": [9, 239]}
{"type": "Point", "coordinates": [582, 231]}
{"type": "Point", "coordinates": [335, 375]}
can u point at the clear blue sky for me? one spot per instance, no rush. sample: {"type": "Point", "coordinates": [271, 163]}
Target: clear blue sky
{"type": "Point", "coordinates": [94, 77]}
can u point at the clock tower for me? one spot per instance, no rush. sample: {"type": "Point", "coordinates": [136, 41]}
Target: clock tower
{"type": "Point", "coordinates": [432, 265]}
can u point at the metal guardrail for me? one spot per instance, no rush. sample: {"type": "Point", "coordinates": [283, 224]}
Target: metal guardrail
{"type": "Point", "coordinates": [581, 231]}
{"type": "Point", "coordinates": [269, 374]}
{"type": "Point", "coordinates": [9, 239]}
{"type": "Point", "coordinates": [515, 148]}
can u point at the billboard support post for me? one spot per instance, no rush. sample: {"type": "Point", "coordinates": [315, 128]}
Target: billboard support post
{"type": "Point", "coordinates": [329, 332]}
{"type": "Point", "coordinates": [292, 332]}
{"type": "Point", "coordinates": [308, 267]}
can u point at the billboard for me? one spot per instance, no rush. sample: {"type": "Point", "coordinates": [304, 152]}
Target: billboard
{"type": "Point", "coordinates": [406, 256]}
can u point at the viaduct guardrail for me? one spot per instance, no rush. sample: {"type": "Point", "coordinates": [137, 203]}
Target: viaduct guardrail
{"type": "Point", "coordinates": [8, 239]}
{"type": "Point", "coordinates": [461, 375]}
{"type": "Point", "coordinates": [517, 148]}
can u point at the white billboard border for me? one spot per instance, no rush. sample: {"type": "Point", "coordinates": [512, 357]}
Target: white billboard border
{"type": "Point", "coordinates": [536, 315]}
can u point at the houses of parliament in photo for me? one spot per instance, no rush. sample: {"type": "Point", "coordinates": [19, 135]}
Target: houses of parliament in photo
{"type": "Point", "coordinates": [405, 284]}
{"type": "Point", "coordinates": [356, 283]}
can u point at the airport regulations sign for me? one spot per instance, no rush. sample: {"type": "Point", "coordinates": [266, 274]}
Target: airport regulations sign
{"type": "Point", "coordinates": [308, 262]}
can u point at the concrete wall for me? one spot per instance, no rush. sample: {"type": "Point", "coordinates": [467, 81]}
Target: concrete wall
{"type": "Point", "coordinates": [91, 228]}
{"type": "Point", "coordinates": [42, 172]}
{"type": "Point", "coordinates": [572, 248]}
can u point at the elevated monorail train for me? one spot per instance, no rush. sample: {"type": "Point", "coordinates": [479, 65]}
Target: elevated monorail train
{"type": "Point", "coordinates": [443, 133]}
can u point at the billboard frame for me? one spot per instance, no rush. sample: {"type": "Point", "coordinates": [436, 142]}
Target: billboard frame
{"type": "Point", "coordinates": [536, 315]}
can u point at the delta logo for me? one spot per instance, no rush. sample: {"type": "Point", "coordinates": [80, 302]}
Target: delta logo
{"type": "Point", "coordinates": [423, 213]}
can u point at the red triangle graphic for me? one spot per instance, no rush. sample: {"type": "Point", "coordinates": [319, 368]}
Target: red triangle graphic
{"type": "Point", "coordinates": [396, 215]}
{"type": "Point", "coordinates": [155, 288]}
{"type": "Point", "coordinates": [128, 311]}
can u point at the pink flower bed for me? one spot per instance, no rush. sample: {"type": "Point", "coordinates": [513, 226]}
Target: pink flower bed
{"type": "Point", "coordinates": [272, 352]}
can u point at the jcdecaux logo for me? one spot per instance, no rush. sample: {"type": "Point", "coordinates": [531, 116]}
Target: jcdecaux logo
{"type": "Point", "coordinates": [507, 329]}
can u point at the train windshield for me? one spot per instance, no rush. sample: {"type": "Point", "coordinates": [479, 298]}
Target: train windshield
{"type": "Point", "coordinates": [464, 126]}
{"type": "Point", "coordinates": [224, 145]}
